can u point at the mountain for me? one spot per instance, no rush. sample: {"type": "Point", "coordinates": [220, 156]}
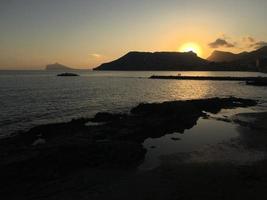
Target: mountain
{"type": "Point", "coordinates": [176, 61]}
{"type": "Point", "coordinates": [156, 61]}
{"type": "Point", "coordinates": [244, 57]}
{"type": "Point", "coordinates": [245, 61]}
{"type": "Point", "coordinates": [223, 56]}
{"type": "Point", "coordinates": [57, 67]}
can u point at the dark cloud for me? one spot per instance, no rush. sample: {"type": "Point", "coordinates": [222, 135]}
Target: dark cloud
{"type": "Point", "coordinates": [249, 39]}
{"type": "Point", "coordinates": [258, 45]}
{"type": "Point", "coordinates": [245, 43]}
{"type": "Point", "coordinates": [220, 43]}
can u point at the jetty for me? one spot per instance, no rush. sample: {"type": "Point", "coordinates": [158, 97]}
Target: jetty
{"type": "Point", "coordinates": [213, 78]}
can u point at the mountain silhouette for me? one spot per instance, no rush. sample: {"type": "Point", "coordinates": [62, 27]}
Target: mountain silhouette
{"type": "Point", "coordinates": [223, 56]}
{"type": "Point", "coordinates": [58, 67]}
{"type": "Point", "coordinates": [244, 57]}
{"type": "Point", "coordinates": [156, 61]}
{"type": "Point", "coordinates": [189, 61]}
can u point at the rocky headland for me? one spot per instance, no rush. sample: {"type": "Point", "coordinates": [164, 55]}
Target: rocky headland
{"type": "Point", "coordinates": [189, 61]}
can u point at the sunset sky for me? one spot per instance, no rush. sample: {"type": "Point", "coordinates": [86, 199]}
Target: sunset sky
{"type": "Point", "coordinates": [85, 33]}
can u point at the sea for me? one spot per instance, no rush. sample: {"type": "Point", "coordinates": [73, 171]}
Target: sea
{"type": "Point", "coordinates": [31, 98]}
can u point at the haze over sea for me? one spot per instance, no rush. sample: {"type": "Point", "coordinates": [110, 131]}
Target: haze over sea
{"type": "Point", "coordinates": [30, 98]}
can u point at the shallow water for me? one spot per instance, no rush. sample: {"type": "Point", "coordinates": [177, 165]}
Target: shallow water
{"type": "Point", "coordinates": [206, 132]}
{"type": "Point", "coordinates": [30, 98]}
{"type": "Point", "coordinates": [216, 138]}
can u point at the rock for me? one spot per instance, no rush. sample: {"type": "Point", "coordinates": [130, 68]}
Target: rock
{"type": "Point", "coordinates": [105, 117]}
{"type": "Point", "coordinates": [175, 138]}
{"type": "Point", "coordinates": [191, 107]}
{"type": "Point", "coordinates": [67, 74]}
{"type": "Point", "coordinates": [39, 142]}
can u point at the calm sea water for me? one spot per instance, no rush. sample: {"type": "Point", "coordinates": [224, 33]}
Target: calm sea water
{"type": "Point", "coordinates": [30, 98]}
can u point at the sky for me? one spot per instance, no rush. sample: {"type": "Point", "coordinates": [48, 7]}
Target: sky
{"type": "Point", "coordinates": [86, 33]}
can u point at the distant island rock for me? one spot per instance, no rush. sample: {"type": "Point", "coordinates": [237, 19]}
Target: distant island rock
{"type": "Point", "coordinates": [57, 67]}
{"type": "Point", "coordinates": [189, 61]}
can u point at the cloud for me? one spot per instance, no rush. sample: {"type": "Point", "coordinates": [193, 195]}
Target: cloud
{"type": "Point", "coordinates": [220, 43]}
{"type": "Point", "coordinates": [251, 39]}
{"type": "Point", "coordinates": [248, 39]}
{"type": "Point", "coordinates": [244, 43]}
{"type": "Point", "coordinates": [95, 55]}
{"type": "Point", "coordinates": [258, 45]}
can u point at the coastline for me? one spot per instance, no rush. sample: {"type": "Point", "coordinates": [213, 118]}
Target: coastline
{"type": "Point", "coordinates": [111, 163]}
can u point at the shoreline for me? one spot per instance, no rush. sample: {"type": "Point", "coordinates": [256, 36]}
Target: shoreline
{"type": "Point", "coordinates": [107, 151]}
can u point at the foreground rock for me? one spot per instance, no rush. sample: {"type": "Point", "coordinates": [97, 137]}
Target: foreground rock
{"type": "Point", "coordinates": [53, 152]}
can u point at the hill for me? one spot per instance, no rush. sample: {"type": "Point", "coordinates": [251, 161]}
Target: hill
{"type": "Point", "coordinates": [245, 61]}
{"type": "Point", "coordinates": [156, 61]}
{"type": "Point", "coordinates": [222, 56]}
{"type": "Point", "coordinates": [189, 61]}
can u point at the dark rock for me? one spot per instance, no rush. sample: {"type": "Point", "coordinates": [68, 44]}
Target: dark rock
{"type": "Point", "coordinates": [67, 74]}
{"type": "Point", "coordinates": [191, 107]}
{"type": "Point", "coordinates": [175, 138]}
{"type": "Point", "coordinates": [106, 117]}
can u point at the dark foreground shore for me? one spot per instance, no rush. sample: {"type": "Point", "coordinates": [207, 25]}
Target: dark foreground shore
{"type": "Point", "coordinates": [98, 158]}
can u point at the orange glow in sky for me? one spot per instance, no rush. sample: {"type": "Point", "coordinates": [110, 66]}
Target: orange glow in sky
{"type": "Point", "coordinates": [85, 34]}
{"type": "Point", "coordinates": [191, 46]}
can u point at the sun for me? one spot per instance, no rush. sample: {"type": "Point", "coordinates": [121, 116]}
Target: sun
{"type": "Point", "coordinates": [191, 46]}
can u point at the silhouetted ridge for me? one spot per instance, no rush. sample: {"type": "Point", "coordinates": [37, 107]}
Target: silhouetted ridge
{"type": "Point", "coordinates": [189, 61]}
{"type": "Point", "coordinates": [155, 61]}
{"type": "Point", "coordinates": [57, 66]}
{"type": "Point", "coordinates": [222, 56]}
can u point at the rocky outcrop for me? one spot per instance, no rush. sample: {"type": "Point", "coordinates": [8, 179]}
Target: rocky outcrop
{"type": "Point", "coordinates": [53, 151]}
